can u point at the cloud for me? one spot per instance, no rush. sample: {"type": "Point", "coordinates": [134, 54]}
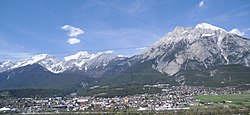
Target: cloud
{"type": "Point", "coordinates": [73, 41]}
{"type": "Point", "coordinates": [120, 55]}
{"type": "Point", "coordinates": [135, 7]}
{"type": "Point", "coordinates": [201, 3]}
{"type": "Point", "coordinates": [12, 51]}
{"type": "Point", "coordinates": [237, 31]}
{"type": "Point", "coordinates": [109, 52]}
{"type": "Point", "coordinates": [14, 55]}
{"type": "Point", "coordinates": [73, 31]}
{"type": "Point", "coordinates": [106, 52]}
{"type": "Point", "coordinates": [141, 48]}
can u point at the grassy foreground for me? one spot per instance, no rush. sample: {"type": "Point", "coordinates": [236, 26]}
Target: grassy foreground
{"type": "Point", "coordinates": [224, 104]}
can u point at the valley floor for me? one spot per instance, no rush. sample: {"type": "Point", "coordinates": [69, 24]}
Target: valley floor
{"type": "Point", "coordinates": [172, 100]}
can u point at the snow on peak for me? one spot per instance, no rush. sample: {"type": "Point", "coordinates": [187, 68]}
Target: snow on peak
{"type": "Point", "coordinates": [6, 65]}
{"type": "Point", "coordinates": [39, 57]}
{"type": "Point", "coordinates": [85, 55]}
{"type": "Point", "coordinates": [208, 26]}
{"type": "Point", "coordinates": [49, 62]}
{"type": "Point", "coordinates": [79, 55]}
{"type": "Point", "coordinates": [55, 65]}
{"type": "Point", "coordinates": [7, 62]}
{"type": "Point", "coordinates": [81, 58]}
{"type": "Point", "coordinates": [31, 60]}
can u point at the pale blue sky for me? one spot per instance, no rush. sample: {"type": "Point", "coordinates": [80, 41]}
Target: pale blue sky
{"type": "Point", "coordinates": [29, 27]}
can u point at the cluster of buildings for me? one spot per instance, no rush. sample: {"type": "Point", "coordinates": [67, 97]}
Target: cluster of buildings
{"type": "Point", "coordinates": [171, 98]}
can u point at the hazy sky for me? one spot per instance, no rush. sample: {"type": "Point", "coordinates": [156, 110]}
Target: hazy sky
{"type": "Point", "coordinates": [64, 27]}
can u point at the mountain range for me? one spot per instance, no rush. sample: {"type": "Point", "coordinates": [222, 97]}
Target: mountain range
{"type": "Point", "coordinates": [201, 55]}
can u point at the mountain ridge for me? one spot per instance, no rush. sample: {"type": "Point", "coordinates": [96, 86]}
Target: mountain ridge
{"type": "Point", "coordinates": [55, 65]}
{"type": "Point", "coordinates": [187, 55]}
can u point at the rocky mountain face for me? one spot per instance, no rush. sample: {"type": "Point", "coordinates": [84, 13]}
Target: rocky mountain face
{"type": "Point", "coordinates": [197, 56]}
{"type": "Point", "coordinates": [201, 47]}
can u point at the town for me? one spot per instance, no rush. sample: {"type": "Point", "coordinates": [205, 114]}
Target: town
{"type": "Point", "coordinates": [171, 98]}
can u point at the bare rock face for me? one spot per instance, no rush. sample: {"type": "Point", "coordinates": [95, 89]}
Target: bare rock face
{"type": "Point", "coordinates": [206, 44]}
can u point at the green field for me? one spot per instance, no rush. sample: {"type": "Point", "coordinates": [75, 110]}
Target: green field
{"type": "Point", "coordinates": [232, 100]}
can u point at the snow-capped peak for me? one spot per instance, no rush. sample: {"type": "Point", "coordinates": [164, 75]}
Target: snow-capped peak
{"type": "Point", "coordinates": [49, 62]}
{"type": "Point", "coordinates": [78, 55]}
{"type": "Point", "coordinates": [30, 61]}
{"type": "Point", "coordinates": [39, 57]}
{"type": "Point", "coordinates": [78, 59]}
{"type": "Point", "coordinates": [208, 26]}
{"type": "Point", "coordinates": [85, 55]}
{"type": "Point", "coordinates": [6, 65]}
{"type": "Point", "coordinates": [8, 62]}
{"type": "Point", "coordinates": [81, 58]}
{"type": "Point", "coordinates": [55, 65]}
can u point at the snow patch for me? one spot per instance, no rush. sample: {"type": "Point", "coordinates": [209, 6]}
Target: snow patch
{"type": "Point", "coordinates": [208, 26]}
{"type": "Point", "coordinates": [221, 50]}
{"type": "Point", "coordinates": [78, 55]}
{"type": "Point", "coordinates": [8, 77]}
{"type": "Point", "coordinates": [206, 35]}
{"type": "Point", "coordinates": [246, 62]}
